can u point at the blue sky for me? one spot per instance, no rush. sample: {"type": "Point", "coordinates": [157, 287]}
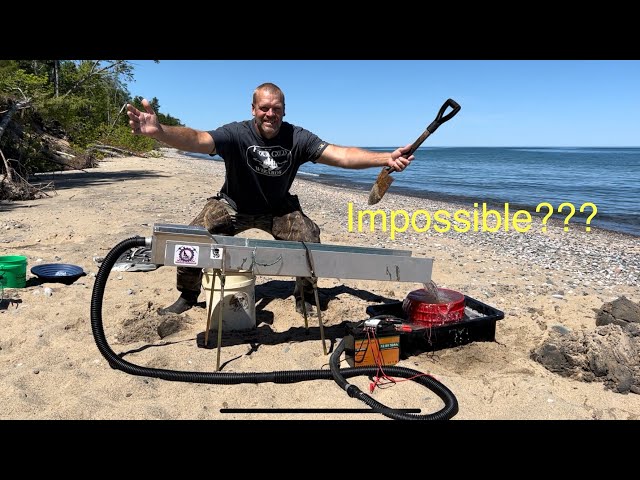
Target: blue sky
{"type": "Point", "coordinates": [391, 102]}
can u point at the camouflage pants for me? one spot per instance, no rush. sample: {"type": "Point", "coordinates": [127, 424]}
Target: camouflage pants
{"type": "Point", "coordinates": [220, 218]}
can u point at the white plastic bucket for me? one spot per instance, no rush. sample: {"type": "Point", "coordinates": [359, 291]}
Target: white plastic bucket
{"type": "Point", "coordinates": [239, 306]}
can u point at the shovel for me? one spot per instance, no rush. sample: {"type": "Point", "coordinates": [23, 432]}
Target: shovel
{"type": "Point", "coordinates": [384, 180]}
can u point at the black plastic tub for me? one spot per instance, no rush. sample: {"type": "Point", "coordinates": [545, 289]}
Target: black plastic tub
{"type": "Point", "coordinates": [477, 325]}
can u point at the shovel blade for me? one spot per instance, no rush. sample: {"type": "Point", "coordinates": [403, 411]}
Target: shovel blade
{"type": "Point", "coordinates": [380, 187]}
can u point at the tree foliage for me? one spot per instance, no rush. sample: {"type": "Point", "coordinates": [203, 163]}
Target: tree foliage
{"type": "Point", "coordinates": [155, 104]}
{"type": "Point", "coordinates": [78, 101]}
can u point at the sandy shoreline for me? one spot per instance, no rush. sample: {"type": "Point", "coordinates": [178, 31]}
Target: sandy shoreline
{"type": "Point", "coordinates": [51, 368]}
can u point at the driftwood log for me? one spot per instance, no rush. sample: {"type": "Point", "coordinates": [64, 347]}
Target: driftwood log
{"type": "Point", "coordinates": [111, 150]}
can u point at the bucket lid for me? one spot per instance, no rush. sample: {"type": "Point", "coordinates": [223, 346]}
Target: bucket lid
{"type": "Point", "coordinates": [232, 281]}
{"type": "Point", "coordinates": [13, 259]}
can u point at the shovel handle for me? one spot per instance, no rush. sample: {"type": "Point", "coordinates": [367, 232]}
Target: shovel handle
{"type": "Point", "coordinates": [440, 119]}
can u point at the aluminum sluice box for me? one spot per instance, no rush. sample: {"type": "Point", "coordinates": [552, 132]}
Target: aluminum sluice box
{"type": "Point", "coordinates": [192, 246]}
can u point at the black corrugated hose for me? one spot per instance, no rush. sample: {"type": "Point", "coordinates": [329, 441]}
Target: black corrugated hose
{"type": "Point", "coordinates": [293, 376]}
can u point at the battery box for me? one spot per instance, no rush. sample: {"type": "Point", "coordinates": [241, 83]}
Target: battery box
{"type": "Point", "coordinates": [477, 325]}
{"type": "Point", "coordinates": [397, 338]}
{"type": "Point", "coordinates": [364, 345]}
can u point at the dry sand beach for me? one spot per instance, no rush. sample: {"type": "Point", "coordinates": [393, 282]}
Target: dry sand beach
{"type": "Point", "coordinates": [548, 285]}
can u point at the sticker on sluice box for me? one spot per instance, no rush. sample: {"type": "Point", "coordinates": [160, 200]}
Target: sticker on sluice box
{"type": "Point", "coordinates": [216, 253]}
{"type": "Point", "coordinates": [186, 254]}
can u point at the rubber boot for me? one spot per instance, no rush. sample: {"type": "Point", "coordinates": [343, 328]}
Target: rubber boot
{"type": "Point", "coordinates": [185, 301]}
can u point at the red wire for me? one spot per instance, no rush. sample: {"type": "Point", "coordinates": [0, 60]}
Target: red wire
{"type": "Point", "coordinates": [379, 360]}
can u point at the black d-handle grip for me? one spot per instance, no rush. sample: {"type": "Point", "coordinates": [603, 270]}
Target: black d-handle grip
{"type": "Point", "coordinates": [432, 128]}
{"type": "Point", "coordinates": [440, 119]}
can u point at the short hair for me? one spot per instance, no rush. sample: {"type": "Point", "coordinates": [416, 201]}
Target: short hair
{"type": "Point", "coordinates": [272, 88]}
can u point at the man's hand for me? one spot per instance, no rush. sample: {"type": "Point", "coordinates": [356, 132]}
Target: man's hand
{"type": "Point", "coordinates": [397, 161]}
{"type": "Point", "coordinates": [143, 123]}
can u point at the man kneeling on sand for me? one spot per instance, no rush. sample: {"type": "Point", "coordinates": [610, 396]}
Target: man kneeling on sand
{"type": "Point", "coordinates": [261, 157]}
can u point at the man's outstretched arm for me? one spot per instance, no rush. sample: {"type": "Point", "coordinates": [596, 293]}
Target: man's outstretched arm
{"type": "Point", "coordinates": [184, 138]}
{"type": "Point", "coordinates": [356, 158]}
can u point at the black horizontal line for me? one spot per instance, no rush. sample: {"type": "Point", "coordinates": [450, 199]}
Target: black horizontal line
{"type": "Point", "coordinates": [317, 410]}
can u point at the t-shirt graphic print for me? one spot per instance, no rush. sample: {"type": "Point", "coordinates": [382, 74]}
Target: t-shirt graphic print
{"type": "Point", "coordinates": [271, 161]}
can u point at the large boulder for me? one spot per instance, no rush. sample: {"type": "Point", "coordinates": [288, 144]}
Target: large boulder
{"type": "Point", "coordinates": [621, 311]}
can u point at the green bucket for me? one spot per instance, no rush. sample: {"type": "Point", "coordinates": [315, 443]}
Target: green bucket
{"type": "Point", "coordinates": [13, 271]}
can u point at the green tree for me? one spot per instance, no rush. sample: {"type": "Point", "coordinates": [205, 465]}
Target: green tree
{"type": "Point", "coordinates": [165, 119]}
{"type": "Point", "coordinates": [81, 100]}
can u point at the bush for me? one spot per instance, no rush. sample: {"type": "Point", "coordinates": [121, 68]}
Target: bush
{"type": "Point", "coordinates": [121, 136]}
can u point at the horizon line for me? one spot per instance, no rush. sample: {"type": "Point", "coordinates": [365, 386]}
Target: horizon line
{"type": "Point", "coordinates": [511, 146]}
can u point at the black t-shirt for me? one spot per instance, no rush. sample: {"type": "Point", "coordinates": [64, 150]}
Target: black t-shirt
{"type": "Point", "coordinates": [259, 172]}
